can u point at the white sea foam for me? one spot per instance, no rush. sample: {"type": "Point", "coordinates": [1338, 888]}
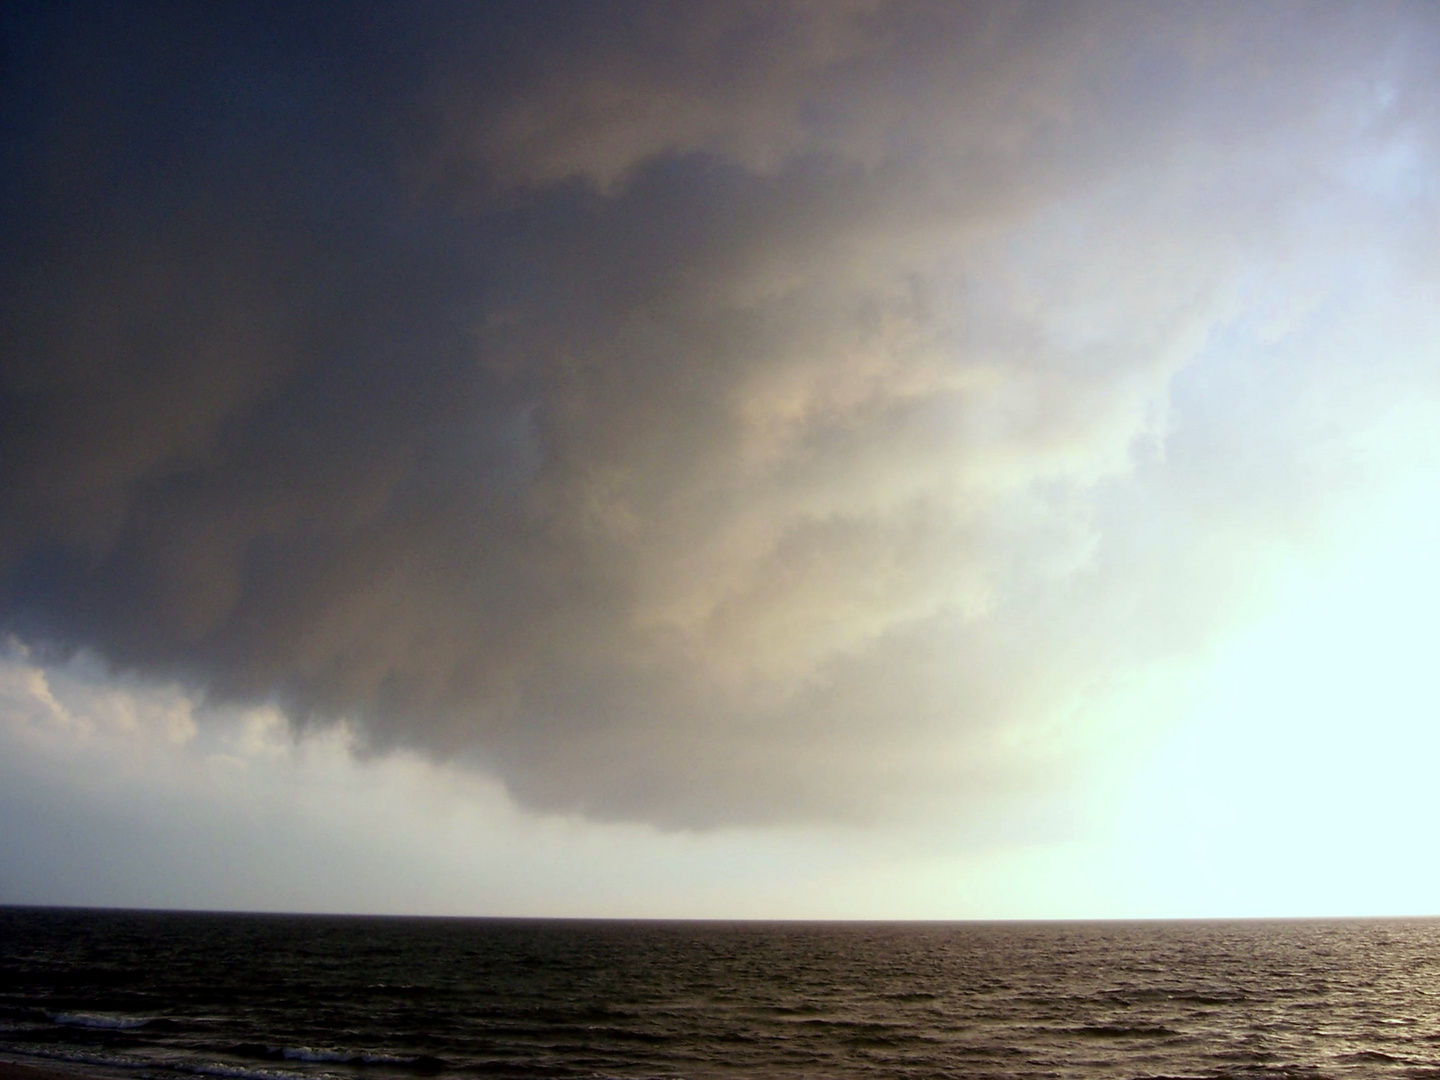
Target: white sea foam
{"type": "Point", "coordinates": [310, 1053]}
{"type": "Point", "coordinates": [99, 1020]}
{"type": "Point", "coordinates": [338, 1057]}
{"type": "Point", "coordinates": [120, 1061]}
{"type": "Point", "coordinates": [233, 1072]}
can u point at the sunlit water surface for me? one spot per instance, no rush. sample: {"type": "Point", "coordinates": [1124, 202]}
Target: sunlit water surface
{"type": "Point", "coordinates": [292, 997]}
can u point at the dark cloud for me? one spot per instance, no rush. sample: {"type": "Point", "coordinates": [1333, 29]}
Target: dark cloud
{"type": "Point", "coordinates": [695, 414]}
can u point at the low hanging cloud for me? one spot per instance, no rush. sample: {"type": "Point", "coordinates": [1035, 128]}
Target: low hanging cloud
{"type": "Point", "coordinates": [698, 415]}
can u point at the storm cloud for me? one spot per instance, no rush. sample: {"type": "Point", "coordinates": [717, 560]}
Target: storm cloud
{"type": "Point", "coordinates": [696, 414]}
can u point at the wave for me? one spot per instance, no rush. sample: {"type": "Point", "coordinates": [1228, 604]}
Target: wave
{"type": "Point", "coordinates": [74, 1057]}
{"type": "Point", "coordinates": [231, 1072]}
{"type": "Point", "coordinates": [424, 1064]}
{"type": "Point", "coordinates": [1124, 1031]}
{"type": "Point", "coordinates": [322, 1056]}
{"type": "Point", "coordinates": [100, 1020]}
{"type": "Point", "coordinates": [126, 1062]}
{"type": "Point", "coordinates": [311, 1054]}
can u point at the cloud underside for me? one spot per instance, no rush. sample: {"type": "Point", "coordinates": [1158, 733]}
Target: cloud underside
{"type": "Point", "coordinates": [695, 415]}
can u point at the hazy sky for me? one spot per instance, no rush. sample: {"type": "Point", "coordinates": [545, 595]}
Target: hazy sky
{"type": "Point", "coordinates": [865, 459]}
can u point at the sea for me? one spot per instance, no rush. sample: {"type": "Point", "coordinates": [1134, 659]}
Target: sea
{"type": "Point", "coordinates": [163, 995]}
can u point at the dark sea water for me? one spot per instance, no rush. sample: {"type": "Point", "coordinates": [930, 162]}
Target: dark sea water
{"type": "Point", "coordinates": [164, 994]}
